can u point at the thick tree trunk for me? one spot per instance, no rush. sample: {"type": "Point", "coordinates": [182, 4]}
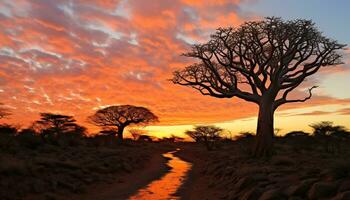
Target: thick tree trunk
{"type": "Point", "coordinates": [120, 133]}
{"type": "Point", "coordinates": [264, 133]}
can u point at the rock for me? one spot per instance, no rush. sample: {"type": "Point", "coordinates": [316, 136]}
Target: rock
{"type": "Point", "coordinates": [273, 194]}
{"type": "Point", "coordinates": [321, 190]}
{"type": "Point", "coordinates": [342, 196]}
{"type": "Point", "coordinates": [300, 189]}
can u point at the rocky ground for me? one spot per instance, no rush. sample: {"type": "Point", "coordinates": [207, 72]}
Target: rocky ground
{"type": "Point", "coordinates": [54, 172]}
{"type": "Point", "coordinates": [291, 173]}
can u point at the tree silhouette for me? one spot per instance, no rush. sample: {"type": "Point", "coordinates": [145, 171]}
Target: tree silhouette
{"type": "Point", "coordinates": [326, 128]}
{"type": "Point", "coordinates": [207, 134]}
{"type": "Point", "coordinates": [56, 124]}
{"type": "Point", "coordinates": [136, 133]}
{"type": "Point", "coordinates": [122, 116]}
{"type": "Point", "coordinates": [261, 62]}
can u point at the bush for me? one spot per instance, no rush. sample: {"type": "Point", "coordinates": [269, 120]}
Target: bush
{"type": "Point", "coordinates": [28, 138]}
{"type": "Point", "coordinates": [7, 134]}
{"type": "Point", "coordinates": [296, 134]}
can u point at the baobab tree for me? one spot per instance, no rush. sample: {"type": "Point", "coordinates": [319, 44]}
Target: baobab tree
{"type": "Point", "coordinates": [121, 117]}
{"type": "Point", "coordinates": [261, 62]}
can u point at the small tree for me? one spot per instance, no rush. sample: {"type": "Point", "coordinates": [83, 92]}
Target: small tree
{"type": "Point", "coordinates": [324, 128]}
{"type": "Point", "coordinates": [122, 116]}
{"type": "Point", "coordinates": [330, 135]}
{"type": "Point", "coordinates": [136, 133]}
{"type": "Point", "coordinates": [52, 125]}
{"type": "Point", "coordinates": [261, 62]}
{"type": "Point", "coordinates": [206, 134]}
{"type": "Point", "coordinates": [244, 135]}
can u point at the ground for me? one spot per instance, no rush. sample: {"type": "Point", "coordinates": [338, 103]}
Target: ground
{"type": "Point", "coordinates": [299, 169]}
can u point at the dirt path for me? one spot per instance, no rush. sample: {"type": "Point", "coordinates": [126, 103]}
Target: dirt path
{"type": "Point", "coordinates": [126, 184]}
{"type": "Point", "coordinates": [197, 186]}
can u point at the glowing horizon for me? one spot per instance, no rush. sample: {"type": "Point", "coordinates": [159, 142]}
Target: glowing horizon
{"type": "Point", "coordinates": [74, 57]}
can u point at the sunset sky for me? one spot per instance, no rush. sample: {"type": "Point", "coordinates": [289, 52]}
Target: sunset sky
{"type": "Point", "coordinates": [76, 56]}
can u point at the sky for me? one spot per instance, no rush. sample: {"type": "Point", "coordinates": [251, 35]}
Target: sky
{"type": "Point", "coordinates": [76, 56]}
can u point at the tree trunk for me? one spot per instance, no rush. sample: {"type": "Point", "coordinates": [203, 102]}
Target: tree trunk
{"type": "Point", "coordinates": [120, 133]}
{"type": "Point", "coordinates": [264, 133]}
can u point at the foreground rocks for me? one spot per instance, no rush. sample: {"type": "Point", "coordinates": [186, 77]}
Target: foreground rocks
{"type": "Point", "coordinates": [289, 174]}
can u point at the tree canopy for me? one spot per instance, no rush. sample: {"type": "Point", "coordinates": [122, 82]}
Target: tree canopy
{"type": "Point", "coordinates": [122, 116]}
{"type": "Point", "coordinates": [261, 62]}
{"type": "Point", "coordinates": [55, 124]}
{"type": "Point", "coordinates": [206, 134]}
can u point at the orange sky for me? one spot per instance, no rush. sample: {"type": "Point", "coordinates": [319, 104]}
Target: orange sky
{"type": "Point", "coordinates": [74, 57]}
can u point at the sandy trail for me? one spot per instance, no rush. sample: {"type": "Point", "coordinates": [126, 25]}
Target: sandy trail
{"type": "Point", "coordinates": [127, 184]}
{"type": "Point", "coordinates": [197, 185]}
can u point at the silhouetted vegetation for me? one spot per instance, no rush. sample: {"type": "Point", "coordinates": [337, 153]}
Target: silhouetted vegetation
{"type": "Point", "coordinates": [332, 137]}
{"type": "Point", "coordinates": [58, 158]}
{"type": "Point", "coordinates": [121, 117]}
{"type": "Point", "coordinates": [136, 133]}
{"type": "Point", "coordinates": [58, 129]}
{"type": "Point", "coordinates": [34, 164]}
{"type": "Point", "coordinates": [208, 135]}
{"type": "Point", "coordinates": [301, 166]}
{"type": "Point", "coordinates": [258, 61]}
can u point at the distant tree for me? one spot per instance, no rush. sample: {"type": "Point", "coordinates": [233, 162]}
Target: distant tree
{"type": "Point", "coordinates": [331, 136]}
{"type": "Point", "coordinates": [136, 133]}
{"type": "Point", "coordinates": [326, 128]}
{"type": "Point", "coordinates": [122, 116]}
{"type": "Point", "coordinates": [108, 131]}
{"type": "Point", "coordinates": [261, 62]}
{"type": "Point", "coordinates": [206, 134]}
{"type": "Point", "coordinates": [296, 134]}
{"type": "Point", "coordinates": [145, 138]}
{"type": "Point", "coordinates": [176, 138]}
{"type": "Point", "coordinates": [51, 124]}
{"type": "Point", "coordinates": [195, 135]}
{"type": "Point", "coordinates": [244, 135]}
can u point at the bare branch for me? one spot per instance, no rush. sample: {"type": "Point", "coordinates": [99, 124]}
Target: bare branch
{"type": "Point", "coordinates": [267, 56]}
{"type": "Point", "coordinates": [284, 100]}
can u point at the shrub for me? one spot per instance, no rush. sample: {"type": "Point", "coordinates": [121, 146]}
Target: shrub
{"type": "Point", "coordinates": [7, 134]}
{"type": "Point", "coordinates": [29, 138]}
